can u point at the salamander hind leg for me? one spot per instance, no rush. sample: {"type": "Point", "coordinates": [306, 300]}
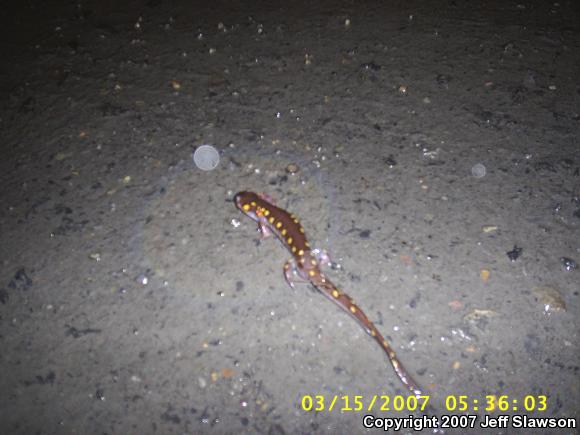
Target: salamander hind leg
{"type": "Point", "coordinates": [322, 256]}
{"type": "Point", "coordinates": [291, 274]}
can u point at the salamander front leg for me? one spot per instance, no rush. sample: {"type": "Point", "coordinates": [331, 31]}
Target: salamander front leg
{"type": "Point", "coordinates": [267, 197]}
{"type": "Point", "coordinates": [264, 230]}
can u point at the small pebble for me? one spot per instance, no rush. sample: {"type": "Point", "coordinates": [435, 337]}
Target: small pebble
{"type": "Point", "coordinates": [292, 168]}
{"type": "Point", "coordinates": [515, 253]}
{"type": "Point", "coordinates": [568, 264]}
{"type": "Point", "coordinates": [550, 298]}
{"type": "Point", "coordinates": [476, 315]}
{"type": "Point", "coordinates": [478, 170]}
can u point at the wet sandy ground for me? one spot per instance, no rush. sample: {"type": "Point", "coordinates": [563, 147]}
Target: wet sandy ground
{"type": "Point", "coordinates": [135, 298]}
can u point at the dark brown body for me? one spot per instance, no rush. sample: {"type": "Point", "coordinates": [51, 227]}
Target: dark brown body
{"type": "Point", "coordinates": [304, 263]}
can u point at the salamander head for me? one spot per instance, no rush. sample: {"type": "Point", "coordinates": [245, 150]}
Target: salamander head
{"type": "Point", "coordinates": [246, 202]}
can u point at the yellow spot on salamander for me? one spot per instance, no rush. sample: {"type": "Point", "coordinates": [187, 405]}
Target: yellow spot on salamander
{"type": "Point", "coordinates": [278, 224]}
{"type": "Point", "coordinates": [283, 232]}
{"type": "Point", "coordinates": [302, 260]}
{"type": "Point", "coordinates": [271, 219]}
{"type": "Point", "coordinates": [296, 220]}
{"type": "Point", "coordinates": [289, 240]}
{"type": "Point", "coordinates": [352, 309]}
{"type": "Point", "coordinates": [335, 293]}
{"type": "Point", "coordinates": [266, 212]}
{"type": "Point", "coordinates": [301, 252]}
{"type": "Point", "coordinates": [301, 230]}
{"type": "Point", "coordinates": [307, 244]}
{"type": "Point", "coordinates": [373, 333]}
{"type": "Point", "coordinates": [293, 249]}
{"type": "Point", "coordinates": [253, 203]}
{"type": "Point", "coordinates": [313, 262]}
{"type": "Point", "coordinates": [312, 272]}
{"type": "Point", "coordinates": [246, 207]}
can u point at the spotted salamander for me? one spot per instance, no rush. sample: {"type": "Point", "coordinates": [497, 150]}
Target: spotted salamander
{"type": "Point", "coordinates": [305, 264]}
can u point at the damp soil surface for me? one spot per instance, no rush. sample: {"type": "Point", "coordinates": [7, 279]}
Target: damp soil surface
{"type": "Point", "coordinates": [431, 147]}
